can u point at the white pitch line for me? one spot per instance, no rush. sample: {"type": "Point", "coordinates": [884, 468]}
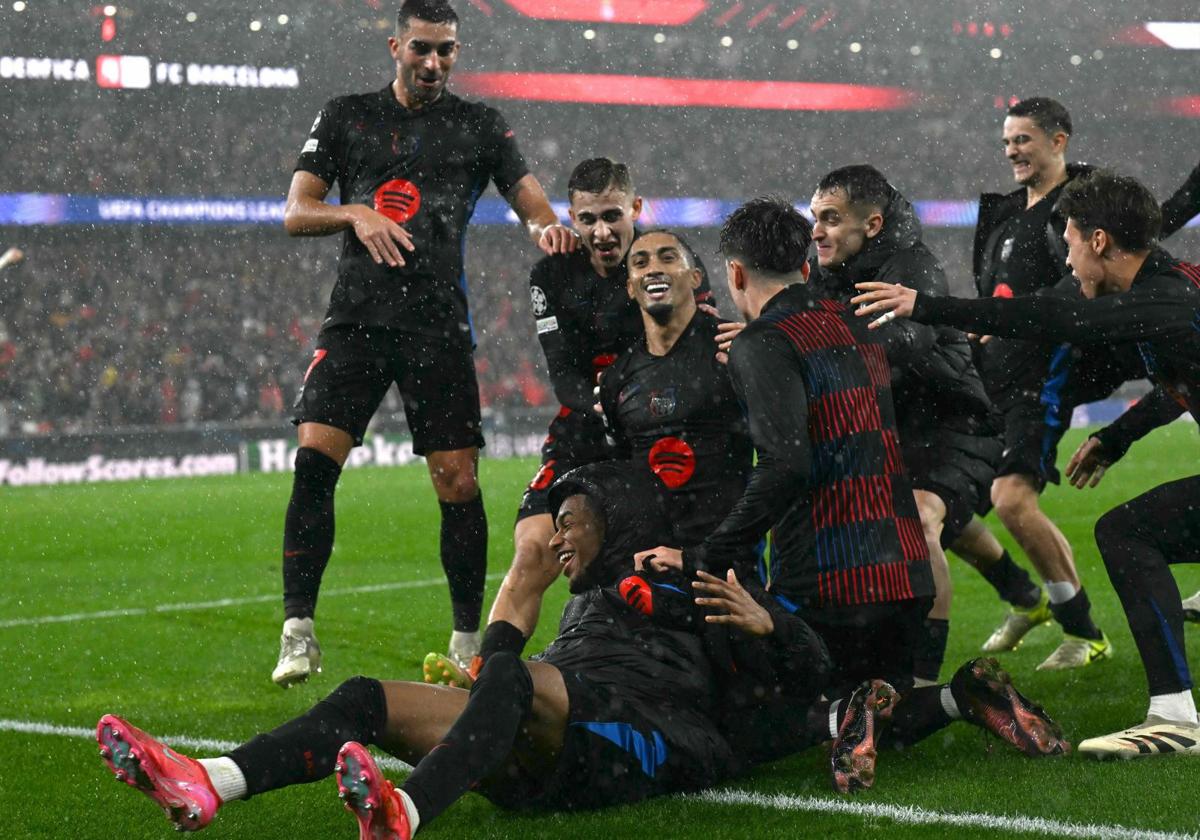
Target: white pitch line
{"type": "Point", "coordinates": [217, 604]}
{"type": "Point", "coordinates": [915, 815]}
{"type": "Point", "coordinates": [909, 814]}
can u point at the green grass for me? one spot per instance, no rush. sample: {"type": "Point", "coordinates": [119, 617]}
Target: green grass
{"type": "Point", "coordinates": [205, 673]}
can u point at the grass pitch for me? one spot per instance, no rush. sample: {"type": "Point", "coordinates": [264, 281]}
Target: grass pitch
{"type": "Point", "coordinates": [204, 672]}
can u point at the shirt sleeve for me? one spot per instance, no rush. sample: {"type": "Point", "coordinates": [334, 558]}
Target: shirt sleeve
{"type": "Point", "coordinates": [1157, 408]}
{"type": "Point", "coordinates": [508, 164]}
{"type": "Point", "coordinates": [1179, 209]}
{"type": "Point", "coordinates": [322, 153]}
{"type": "Point", "coordinates": [767, 380]}
{"type": "Point", "coordinates": [905, 341]}
{"type": "Point", "coordinates": [559, 338]}
{"type": "Point", "coordinates": [1129, 316]}
{"type": "Point", "coordinates": [610, 391]}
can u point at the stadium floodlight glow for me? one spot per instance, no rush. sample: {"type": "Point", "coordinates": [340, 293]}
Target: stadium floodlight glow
{"type": "Point", "coordinates": [19, 6]}
{"type": "Point", "coordinates": [793, 44]}
{"type": "Point", "coordinates": [109, 11]}
{"type": "Point", "coordinates": [1076, 60]}
{"type": "Point", "coordinates": [282, 20]}
{"type": "Point", "coordinates": [255, 25]}
{"type": "Point", "coordinates": [996, 52]}
{"type": "Point", "coordinates": [589, 34]}
{"type": "Point", "coordinates": [726, 41]}
{"type": "Point", "coordinates": [855, 47]}
{"type": "Point", "coordinates": [190, 17]}
{"type": "Point", "coordinates": [644, 12]}
{"type": "Point", "coordinates": [1178, 35]}
{"type": "Point", "coordinates": [659, 38]}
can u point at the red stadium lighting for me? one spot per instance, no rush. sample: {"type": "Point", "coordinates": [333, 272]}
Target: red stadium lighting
{"type": "Point", "coordinates": [108, 29]}
{"type": "Point", "coordinates": [644, 12]}
{"type": "Point", "coordinates": [709, 93]}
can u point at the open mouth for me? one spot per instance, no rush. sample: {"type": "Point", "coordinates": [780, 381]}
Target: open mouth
{"type": "Point", "coordinates": [428, 83]}
{"type": "Point", "coordinates": [656, 289]}
{"type": "Point", "coordinates": [1020, 166]}
{"type": "Point", "coordinates": [606, 249]}
{"type": "Point", "coordinates": [564, 558]}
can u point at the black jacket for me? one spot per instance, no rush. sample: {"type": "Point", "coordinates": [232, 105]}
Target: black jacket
{"type": "Point", "coordinates": [1183, 204]}
{"type": "Point", "coordinates": [933, 375]}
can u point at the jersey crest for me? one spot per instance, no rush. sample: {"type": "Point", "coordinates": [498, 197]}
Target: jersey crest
{"type": "Point", "coordinates": [537, 299]}
{"type": "Point", "coordinates": [662, 403]}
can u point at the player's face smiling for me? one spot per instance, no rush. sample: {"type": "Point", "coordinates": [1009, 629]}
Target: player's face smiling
{"type": "Point", "coordinates": [1085, 263]}
{"type": "Point", "coordinates": [838, 233]}
{"type": "Point", "coordinates": [661, 277]}
{"type": "Point", "coordinates": [577, 539]}
{"type": "Point", "coordinates": [1030, 151]}
{"type": "Point", "coordinates": [604, 222]}
{"type": "Point", "coordinates": [425, 54]}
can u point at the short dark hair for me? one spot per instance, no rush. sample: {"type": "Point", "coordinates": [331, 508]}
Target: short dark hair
{"type": "Point", "coordinates": [685, 246]}
{"type": "Point", "coordinates": [1048, 114]}
{"type": "Point", "coordinates": [769, 235]}
{"type": "Point", "coordinates": [863, 185]}
{"type": "Point", "coordinates": [433, 11]}
{"type": "Point", "coordinates": [595, 175]}
{"type": "Point", "coordinates": [1116, 204]}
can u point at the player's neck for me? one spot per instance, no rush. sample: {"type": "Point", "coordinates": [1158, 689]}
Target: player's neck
{"type": "Point", "coordinates": [661, 338]}
{"type": "Point", "coordinates": [1044, 186]}
{"type": "Point", "coordinates": [401, 94]}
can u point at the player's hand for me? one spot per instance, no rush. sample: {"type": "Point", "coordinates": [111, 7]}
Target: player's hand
{"type": "Point", "coordinates": [659, 559]}
{"type": "Point", "coordinates": [982, 339]}
{"type": "Point", "coordinates": [558, 239]}
{"type": "Point", "coordinates": [1088, 465]}
{"type": "Point", "coordinates": [382, 237]}
{"type": "Point", "coordinates": [11, 257]}
{"type": "Point", "coordinates": [738, 608]}
{"type": "Point", "coordinates": [891, 299]}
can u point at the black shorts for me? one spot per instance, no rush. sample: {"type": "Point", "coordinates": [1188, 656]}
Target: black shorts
{"type": "Point", "coordinates": [615, 753]}
{"type": "Point", "coordinates": [880, 647]}
{"type": "Point", "coordinates": [569, 444]}
{"type": "Point", "coordinates": [959, 469]}
{"type": "Point", "coordinates": [1030, 441]}
{"type": "Point", "coordinates": [354, 366]}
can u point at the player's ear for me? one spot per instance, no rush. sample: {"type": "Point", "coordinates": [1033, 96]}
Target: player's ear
{"type": "Point", "coordinates": [394, 47]}
{"type": "Point", "coordinates": [874, 224]}
{"type": "Point", "coordinates": [571, 214]}
{"type": "Point", "coordinates": [696, 278]}
{"type": "Point", "coordinates": [1100, 241]}
{"type": "Point", "coordinates": [804, 271]}
{"type": "Point", "coordinates": [636, 210]}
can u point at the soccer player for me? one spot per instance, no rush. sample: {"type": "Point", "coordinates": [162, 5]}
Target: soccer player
{"type": "Point", "coordinates": [1018, 252]}
{"type": "Point", "coordinates": [410, 162]}
{"type": "Point", "coordinates": [585, 318]}
{"type": "Point", "coordinates": [848, 552]}
{"type": "Point", "coordinates": [1133, 292]}
{"type": "Point", "coordinates": [667, 399]}
{"type": "Point", "coordinates": [617, 709]}
{"type": "Point", "coordinates": [865, 230]}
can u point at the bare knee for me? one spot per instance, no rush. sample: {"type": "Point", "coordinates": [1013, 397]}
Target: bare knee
{"type": "Point", "coordinates": [1014, 498]}
{"type": "Point", "coordinates": [932, 511]}
{"type": "Point", "coordinates": [455, 480]}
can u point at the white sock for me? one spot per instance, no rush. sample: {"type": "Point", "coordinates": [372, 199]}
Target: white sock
{"type": "Point", "coordinates": [298, 627]}
{"type": "Point", "coordinates": [226, 777]}
{"type": "Point", "coordinates": [1061, 591]}
{"type": "Point", "coordinates": [461, 643]}
{"type": "Point", "coordinates": [1180, 706]}
{"type": "Point", "coordinates": [833, 718]}
{"type": "Point", "coordinates": [414, 819]}
{"type": "Point", "coordinates": [949, 705]}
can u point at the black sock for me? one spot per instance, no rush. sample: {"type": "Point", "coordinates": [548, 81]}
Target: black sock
{"type": "Point", "coordinates": [478, 742]}
{"type": "Point", "coordinates": [500, 636]}
{"type": "Point", "coordinates": [464, 558]}
{"type": "Point", "coordinates": [931, 649]}
{"type": "Point", "coordinates": [308, 531]}
{"type": "Point", "coordinates": [917, 716]}
{"type": "Point", "coordinates": [1075, 616]}
{"type": "Point", "coordinates": [305, 748]}
{"type": "Point", "coordinates": [1012, 583]}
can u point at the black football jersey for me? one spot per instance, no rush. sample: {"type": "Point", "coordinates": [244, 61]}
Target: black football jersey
{"type": "Point", "coordinates": [583, 322]}
{"type": "Point", "coordinates": [678, 416]}
{"type": "Point", "coordinates": [425, 169]}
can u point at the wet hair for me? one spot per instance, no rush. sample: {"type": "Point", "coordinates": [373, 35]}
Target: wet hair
{"type": "Point", "coordinates": [1116, 204]}
{"type": "Point", "coordinates": [432, 11]}
{"type": "Point", "coordinates": [769, 235]}
{"type": "Point", "coordinates": [863, 185]}
{"type": "Point", "coordinates": [688, 251]}
{"type": "Point", "coordinates": [595, 175]}
{"type": "Point", "coordinates": [1047, 114]}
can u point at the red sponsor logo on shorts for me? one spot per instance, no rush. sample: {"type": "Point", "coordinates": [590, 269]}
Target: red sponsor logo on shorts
{"type": "Point", "coordinates": [544, 476]}
{"type": "Point", "coordinates": [318, 355]}
{"type": "Point", "coordinates": [398, 199]}
{"type": "Point", "coordinates": [673, 461]}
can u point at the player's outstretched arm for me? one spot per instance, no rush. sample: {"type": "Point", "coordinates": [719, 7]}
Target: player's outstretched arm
{"type": "Point", "coordinates": [528, 200]}
{"type": "Point", "coordinates": [307, 213]}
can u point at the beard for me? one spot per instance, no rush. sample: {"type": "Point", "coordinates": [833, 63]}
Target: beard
{"type": "Point", "coordinates": [661, 312]}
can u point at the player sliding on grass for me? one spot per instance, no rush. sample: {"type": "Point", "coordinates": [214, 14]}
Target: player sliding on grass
{"type": "Point", "coordinates": [617, 709]}
{"type": "Point", "coordinates": [1135, 293]}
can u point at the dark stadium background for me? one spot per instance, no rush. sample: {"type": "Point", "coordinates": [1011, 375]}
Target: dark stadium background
{"type": "Point", "coordinates": [109, 326]}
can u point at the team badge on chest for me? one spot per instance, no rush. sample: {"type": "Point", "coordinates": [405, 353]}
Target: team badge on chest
{"type": "Point", "coordinates": [662, 403]}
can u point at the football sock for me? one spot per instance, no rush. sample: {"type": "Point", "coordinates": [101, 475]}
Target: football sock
{"type": "Point", "coordinates": [501, 636]}
{"type": "Point", "coordinates": [414, 816]}
{"type": "Point", "coordinates": [298, 626]}
{"type": "Point", "coordinates": [1180, 706]}
{"type": "Point", "coordinates": [464, 558]}
{"type": "Point", "coordinates": [305, 748]}
{"type": "Point", "coordinates": [949, 704]}
{"type": "Point", "coordinates": [308, 531]}
{"type": "Point", "coordinates": [1012, 583]}
{"type": "Point", "coordinates": [931, 649]}
{"type": "Point", "coordinates": [1060, 591]}
{"type": "Point", "coordinates": [226, 777]}
{"type": "Point", "coordinates": [918, 715]}
{"type": "Point", "coordinates": [1075, 616]}
{"type": "Point", "coordinates": [479, 741]}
